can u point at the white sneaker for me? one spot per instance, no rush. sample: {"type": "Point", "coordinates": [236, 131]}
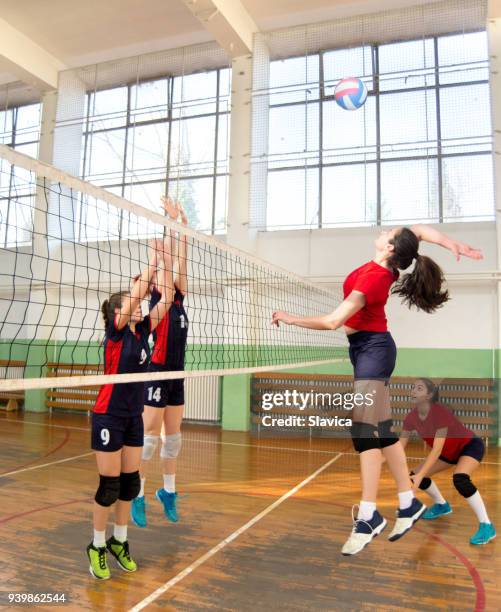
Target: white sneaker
{"type": "Point", "coordinates": [363, 533]}
{"type": "Point", "coordinates": [406, 519]}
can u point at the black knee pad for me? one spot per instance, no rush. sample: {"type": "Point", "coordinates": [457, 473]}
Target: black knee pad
{"type": "Point", "coordinates": [130, 485]}
{"type": "Point", "coordinates": [387, 436]}
{"type": "Point", "coordinates": [464, 485]}
{"type": "Point", "coordinates": [364, 437]}
{"type": "Point", "coordinates": [108, 490]}
{"type": "Point", "coordinates": [425, 483]}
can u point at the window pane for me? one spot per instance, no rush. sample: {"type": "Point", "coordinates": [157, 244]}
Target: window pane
{"type": "Point", "coordinates": [408, 124]}
{"type": "Point", "coordinates": [349, 135]}
{"type": "Point", "coordinates": [20, 221]}
{"type": "Point", "coordinates": [146, 195]}
{"type": "Point", "coordinates": [463, 57]}
{"type": "Point", "coordinates": [293, 131]}
{"type": "Point", "coordinates": [468, 188]}
{"type": "Point", "coordinates": [344, 63]}
{"type": "Point", "coordinates": [292, 199]}
{"type": "Point", "coordinates": [105, 157]}
{"type": "Point", "coordinates": [6, 122]}
{"type": "Point", "coordinates": [108, 108]}
{"type": "Point", "coordinates": [149, 101]}
{"type": "Point", "coordinates": [465, 114]}
{"type": "Point", "coordinates": [225, 82]}
{"type": "Point", "coordinates": [147, 147]}
{"type": "Point", "coordinates": [192, 145]}
{"type": "Point", "coordinates": [407, 64]}
{"type": "Point", "coordinates": [192, 93]}
{"type": "Point", "coordinates": [349, 195]}
{"type": "Point", "coordinates": [294, 79]}
{"type": "Point", "coordinates": [196, 197]}
{"type": "Point", "coordinates": [416, 198]}
{"type": "Point", "coordinates": [28, 123]}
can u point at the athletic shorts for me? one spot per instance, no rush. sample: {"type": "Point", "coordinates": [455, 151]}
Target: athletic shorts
{"type": "Point", "coordinates": [372, 354]}
{"type": "Point", "coordinates": [111, 432]}
{"type": "Point", "coordinates": [474, 448]}
{"type": "Point", "coordinates": [164, 393]}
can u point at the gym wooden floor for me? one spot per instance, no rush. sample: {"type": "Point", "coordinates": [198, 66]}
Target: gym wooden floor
{"type": "Point", "coordinates": [289, 559]}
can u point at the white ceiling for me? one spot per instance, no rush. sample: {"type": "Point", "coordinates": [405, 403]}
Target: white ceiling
{"type": "Point", "coordinates": [91, 31]}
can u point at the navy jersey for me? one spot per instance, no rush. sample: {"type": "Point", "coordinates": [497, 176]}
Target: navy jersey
{"type": "Point", "coordinates": [171, 333]}
{"type": "Point", "coordinates": [125, 351]}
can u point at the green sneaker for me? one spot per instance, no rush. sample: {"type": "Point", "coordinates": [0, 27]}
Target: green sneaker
{"type": "Point", "coordinates": [484, 535]}
{"type": "Point", "coordinates": [120, 550]}
{"type": "Point", "coordinates": [97, 559]}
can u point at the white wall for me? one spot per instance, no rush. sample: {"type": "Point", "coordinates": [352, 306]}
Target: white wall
{"type": "Point", "coordinates": [467, 321]}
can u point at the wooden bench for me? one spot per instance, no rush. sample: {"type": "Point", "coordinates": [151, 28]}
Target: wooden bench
{"type": "Point", "coordinates": [472, 400]}
{"type": "Point", "coordinates": [10, 400]}
{"type": "Point", "coordinates": [74, 399]}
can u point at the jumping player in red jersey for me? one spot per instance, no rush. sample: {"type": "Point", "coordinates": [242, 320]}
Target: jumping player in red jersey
{"type": "Point", "coordinates": [117, 424]}
{"type": "Point", "coordinates": [452, 446]}
{"type": "Point", "coordinates": [164, 400]}
{"type": "Point", "coordinates": [373, 355]}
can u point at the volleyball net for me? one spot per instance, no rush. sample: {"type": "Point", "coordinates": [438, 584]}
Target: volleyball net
{"type": "Point", "coordinates": [67, 245]}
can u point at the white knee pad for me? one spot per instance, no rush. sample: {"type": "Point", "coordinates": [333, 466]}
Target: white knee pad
{"type": "Point", "coordinates": [171, 445]}
{"type": "Point", "coordinates": [150, 444]}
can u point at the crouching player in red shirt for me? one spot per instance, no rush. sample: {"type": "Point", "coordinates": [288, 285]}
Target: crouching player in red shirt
{"type": "Point", "coordinates": [117, 424]}
{"type": "Point", "coordinates": [452, 445]}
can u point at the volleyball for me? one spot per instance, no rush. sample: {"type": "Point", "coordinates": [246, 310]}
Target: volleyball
{"type": "Point", "coordinates": [350, 93]}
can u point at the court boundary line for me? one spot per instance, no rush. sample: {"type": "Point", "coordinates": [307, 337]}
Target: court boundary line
{"type": "Point", "coordinates": [219, 442]}
{"type": "Point", "coordinates": [37, 467]}
{"type": "Point", "coordinates": [229, 539]}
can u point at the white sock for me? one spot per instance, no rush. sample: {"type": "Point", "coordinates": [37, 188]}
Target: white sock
{"type": "Point", "coordinates": [477, 505]}
{"type": "Point", "coordinates": [120, 532]}
{"type": "Point", "coordinates": [405, 499]}
{"type": "Point", "coordinates": [99, 540]}
{"type": "Point", "coordinates": [170, 483]}
{"type": "Point", "coordinates": [434, 492]}
{"type": "Point", "coordinates": [366, 510]}
{"type": "Point", "coordinates": [141, 490]}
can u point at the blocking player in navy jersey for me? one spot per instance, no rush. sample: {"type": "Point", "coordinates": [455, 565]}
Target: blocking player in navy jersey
{"type": "Point", "coordinates": [117, 424]}
{"type": "Point", "coordinates": [164, 400]}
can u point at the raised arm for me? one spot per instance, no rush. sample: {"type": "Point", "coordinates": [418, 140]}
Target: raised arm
{"type": "Point", "coordinates": [348, 307]}
{"type": "Point", "coordinates": [165, 283]}
{"type": "Point", "coordinates": [426, 233]}
{"type": "Point", "coordinates": [139, 288]}
{"type": "Point", "coordinates": [181, 277]}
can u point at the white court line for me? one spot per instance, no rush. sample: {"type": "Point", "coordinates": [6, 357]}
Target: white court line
{"type": "Point", "coordinates": [219, 442]}
{"type": "Point", "coordinates": [210, 553]}
{"type": "Point", "coordinates": [37, 467]}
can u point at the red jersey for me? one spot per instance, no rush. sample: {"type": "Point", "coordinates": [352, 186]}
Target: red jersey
{"type": "Point", "coordinates": [440, 417]}
{"type": "Point", "coordinates": [374, 281]}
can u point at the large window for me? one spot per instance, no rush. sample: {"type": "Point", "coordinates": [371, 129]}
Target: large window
{"type": "Point", "coordinates": [19, 129]}
{"type": "Point", "coordinates": [420, 149]}
{"type": "Point", "coordinates": [168, 135]}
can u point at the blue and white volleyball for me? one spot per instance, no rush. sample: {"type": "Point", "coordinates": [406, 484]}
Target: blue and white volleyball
{"type": "Point", "coordinates": [350, 93]}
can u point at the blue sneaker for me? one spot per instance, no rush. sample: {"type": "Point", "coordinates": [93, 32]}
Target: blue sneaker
{"type": "Point", "coordinates": [138, 511]}
{"type": "Point", "coordinates": [168, 500]}
{"type": "Point", "coordinates": [485, 534]}
{"type": "Point", "coordinates": [437, 510]}
{"type": "Point", "coordinates": [363, 533]}
{"type": "Point", "coordinates": [406, 519]}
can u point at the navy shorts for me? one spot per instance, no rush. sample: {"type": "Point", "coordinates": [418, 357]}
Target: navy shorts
{"type": "Point", "coordinates": [372, 354]}
{"type": "Point", "coordinates": [474, 448]}
{"type": "Point", "coordinates": [111, 432]}
{"type": "Point", "coordinates": [164, 393]}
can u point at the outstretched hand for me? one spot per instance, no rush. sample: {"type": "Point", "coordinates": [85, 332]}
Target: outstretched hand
{"type": "Point", "coordinates": [170, 207]}
{"type": "Point", "coordinates": [281, 315]}
{"type": "Point", "coordinates": [462, 249]}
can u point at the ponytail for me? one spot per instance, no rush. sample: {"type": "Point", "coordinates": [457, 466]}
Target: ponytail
{"type": "Point", "coordinates": [108, 306]}
{"type": "Point", "coordinates": [423, 286]}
